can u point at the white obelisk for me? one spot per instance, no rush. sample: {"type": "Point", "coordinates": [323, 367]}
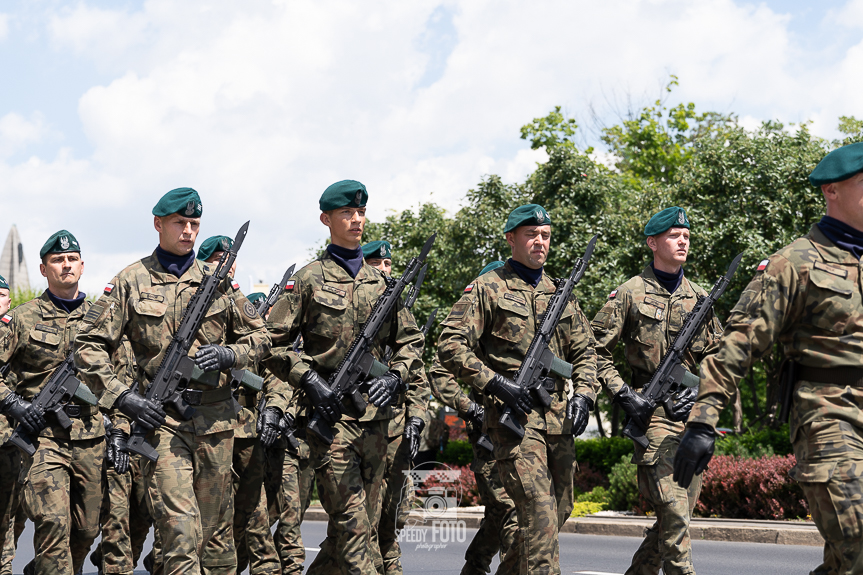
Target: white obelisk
{"type": "Point", "coordinates": [13, 266]}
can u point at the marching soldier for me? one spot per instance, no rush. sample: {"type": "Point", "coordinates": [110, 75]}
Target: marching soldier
{"type": "Point", "coordinates": [646, 313]}
{"type": "Point", "coordinates": [807, 297]}
{"type": "Point", "coordinates": [326, 302]}
{"type": "Point", "coordinates": [484, 341]}
{"type": "Point", "coordinates": [62, 491]}
{"type": "Point", "coordinates": [189, 485]}
{"type": "Point", "coordinates": [10, 464]}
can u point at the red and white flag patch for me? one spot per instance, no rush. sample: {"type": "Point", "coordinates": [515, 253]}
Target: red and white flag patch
{"type": "Point", "coordinates": [6, 319]}
{"type": "Point", "coordinates": [290, 285]}
{"type": "Point", "coordinates": [109, 288]}
{"type": "Point", "coordinates": [612, 295]}
{"type": "Point", "coordinates": [468, 289]}
{"type": "Point", "coordinates": [763, 265]}
{"type": "Point", "coordinates": [235, 285]}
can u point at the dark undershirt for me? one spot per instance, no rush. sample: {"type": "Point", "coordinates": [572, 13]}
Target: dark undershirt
{"type": "Point", "coordinates": [69, 305]}
{"type": "Point", "coordinates": [530, 276]}
{"type": "Point", "coordinates": [175, 264]}
{"type": "Point", "coordinates": [669, 281]}
{"type": "Point", "coordinates": [848, 238]}
{"type": "Point", "coordinates": [349, 260]}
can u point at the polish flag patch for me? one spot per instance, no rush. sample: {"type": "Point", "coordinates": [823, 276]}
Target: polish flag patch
{"type": "Point", "coordinates": [109, 288]}
{"type": "Point", "coordinates": [468, 289]}
{"type": "Point", "coordinates": [6, 319]}
{"type": "Point", "coordinates": [763, 265]}
{"type": "Point", "coordinates": [235, 285]}
{"type": "Point", "coordinates": [290, 285]}
{"type": "Point", "coordinates": [612, 295]}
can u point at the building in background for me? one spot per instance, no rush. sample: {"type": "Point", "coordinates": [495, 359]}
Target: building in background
{"type": "Point", "coordinates": [13, 266]}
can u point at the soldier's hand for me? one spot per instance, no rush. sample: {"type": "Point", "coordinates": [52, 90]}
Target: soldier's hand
{"type": "Point", "coordinates": [212, 357]}
{"type": "Point", "coordinates": [578, 410]}
{"type": "Point", "coordinates": [384, 388]}
{"type": "Point", "coordinates": [693, 453]}
{"type": "Point", "coordinates": [413, 431]}
{"type": "Point", "coordinates": [116, 451]}
{"type": "Point", "coordinates": [475, 414]}
{"type": "Point", "coordinates": [681, 404]}
{"type": "Point", "coordinates": [511, 394]}
{"type": "Point", "coordinates": [321, 396]}
{"type": "Point", "coordinates": [634, 405]}
{"type": "Point", "coordinates": [271, 427]}
{"type": "Point", "coordinates": [28, 415]}
{"type": "Point", "coordinates": [142, 411]}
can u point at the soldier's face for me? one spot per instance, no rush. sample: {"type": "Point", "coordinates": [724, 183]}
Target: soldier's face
{"type": "Point", "coordinates": [5, 301]}
{"type": "Point", "coordinates": [177, 234]}
{"type": "Point", "coordinates": [670, 248]}
{"type": "Point", "coordinates": [845, 200]}
{"type": "Point", "coordinates": [385, 265]}
{"type": "Point", "coordinates": [62, 270]}
{"type": "Point", "coordinates": [530, 245]}
{"type": "Point", "coordinates": [346, 226]}
{"type": "Point", "coordinates": [214, 259]}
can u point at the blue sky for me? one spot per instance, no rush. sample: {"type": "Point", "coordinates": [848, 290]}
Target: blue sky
{"type": "Point", "coordinates": [261, 105]}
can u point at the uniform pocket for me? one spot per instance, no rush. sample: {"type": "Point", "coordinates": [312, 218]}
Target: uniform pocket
{"type": "Point", "coordinates": [511, 323]}
{"type": "Point", "coordinates": [829, 301]}
{"type": "Point", "coordinates": [46, 335]}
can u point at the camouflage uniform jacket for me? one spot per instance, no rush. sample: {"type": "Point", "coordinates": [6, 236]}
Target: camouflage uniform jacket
{"type": "Point", "coordinates": [807, 296]}
{"type": "Point", "coordinates": [490, 329]}
{"type": "Point", "coordinates": [328, 307]}
{"type": "Point", "coordinates": [146, 303]}
{"type": "Point", "coordinates": [647, 318]}
{"type": "Point", "coordinates": [35, 342]}
{"type": "Point", "coordinates": [445, 387]}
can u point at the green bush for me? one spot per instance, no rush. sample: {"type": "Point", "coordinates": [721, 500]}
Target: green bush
{"type": "Point", "coordinates": [623, 486]}
{"type": "Point", "coordinates": [597, 495]}
{"type": "Point", "coordinates": [582, 508]}
{"type": "Point", "coordinates": [457, 453]}
{"type": "Point", "coordinates": [602, 453]}
{"type": "Point", "coordinates": [755, 444]}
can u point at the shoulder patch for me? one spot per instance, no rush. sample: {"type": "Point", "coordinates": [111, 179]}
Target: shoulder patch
{"type": "Point", "coordinates": [290, 285]}
{"type": "Point", "coordinates": [459, 309]}
{"type": "Point", "coordinates": [613, 294]}
{"type": "Point", "coordinates": [235, 285]}
{"type": "Point", "coordinates": [6, 319]}
{"type": "Point", "coordinates": [469, 288]}
{"type": "Point", "coordinates": [250, 310]}
{"type": "Point", "coordinates": [109, 288]}
{"type": "Point", "coordinates": [94, 312]}
{"type": "Point", "coordinates": [763, 265]}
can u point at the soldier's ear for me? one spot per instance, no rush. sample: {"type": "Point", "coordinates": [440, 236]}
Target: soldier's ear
{"type": "Point", "coordinates": [157, 223]}
{"type": "Point", "coordinates": [651, 243]}
{"type": "Point", "coordinates": [325, 218]}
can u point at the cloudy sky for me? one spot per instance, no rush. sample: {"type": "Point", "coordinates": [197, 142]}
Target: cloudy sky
{"type": "Point", "coordinates": [106, 105]}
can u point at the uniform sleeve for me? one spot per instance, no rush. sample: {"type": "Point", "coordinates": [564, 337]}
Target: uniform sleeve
{"type": "Point", "coordinates": [765, 309]}
{"type": "Point", "coordinates": [608, 326]}
{"type": "Point", "coordinates": [277, 392]}
{"type": "Point", "coordinates": [447, 390]}
{"type": "Point", "coordinates": [408, 348]}
{"type": "Point", "coordinates": [247, 337]}
{"type": "Point", "coordinates": [8, 345]}
{"type": "Point", "coordinates": [582, 355]}
{"type": "Point", "coordinates": [461, 333]}
{"type": "Point", "coordinates": [96, 342]}
{"type": "Point", "coordinates": [284, 327]}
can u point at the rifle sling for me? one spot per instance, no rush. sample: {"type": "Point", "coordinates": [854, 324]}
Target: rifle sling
{"type": "Point", "coordinates": [847, 375]}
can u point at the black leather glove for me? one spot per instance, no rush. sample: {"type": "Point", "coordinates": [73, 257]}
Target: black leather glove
{"type": "Point", "coordinates": [115, 450]}
{"type": "Point", "coordinates": [271, 428]}
{"type": "Point", "coordinates": [475, 414]}
{"type": "Point", "coordinates": [142, 411]}
{"type": "Point", "coordinates": [693, 453]}
{"type": "Point", "coordinates": [413, 431]}
{"type": "Point", "coordinates": [321, 396]}
{"type": "Point", "coordinates": [634, 405]}
{"type": "Point", "coordinates": [212, 357]}
{"type": "Point", "coordinates": [25, 413]}
{"type": "Point", "coordinates": [508, 392]}
{"type": "Point", "coordinates": [384, 388]}
{"type": "Point", "coordinates": [678, 409]}
{"type": "Point", "coordinates": [578, 410]}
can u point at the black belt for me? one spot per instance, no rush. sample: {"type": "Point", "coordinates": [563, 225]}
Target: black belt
{"type": "Point", "coordinates": [848, 375]}
{"type": "Point", "coordinates": [202, 397]}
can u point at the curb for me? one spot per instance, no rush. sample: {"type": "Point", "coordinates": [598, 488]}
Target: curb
{"type": "Point", "coordinates": [731, 530]}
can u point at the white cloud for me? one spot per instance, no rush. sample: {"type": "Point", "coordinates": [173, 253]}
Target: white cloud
{"type": "Point", "coordinates": [17, 132]}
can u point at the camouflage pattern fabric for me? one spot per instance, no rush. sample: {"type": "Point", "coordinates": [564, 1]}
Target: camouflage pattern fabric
{"type": "Point", "coordinates": [646, 318]}
{"type": "Point", "coordinates": [10, 497]}
{"type": "Point", "coordinates": [252, 537]}
{"type": "Point", "coordinates": [395, 506]}
{"type": "Point", "coordinates": [489, 331]}
{"type": "Point", "coordinates": [808, 298]}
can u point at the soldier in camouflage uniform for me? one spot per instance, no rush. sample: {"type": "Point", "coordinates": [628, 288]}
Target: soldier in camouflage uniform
{"type": "Point", "coordinates": [807, 297]}
{"type": "Point", "coordinates": [62, 480]}
{"type": "Point", "coordinates": [326, 302]}
{"type": "Point", "coordinates": [10, 463]}
{"type": "Point", "coordinates": [252, 537]}
{"type": "Point", "coordinates": [646, 313]}
{"type": "Point", "coordinates": [189, 486]}
{"type": "Point", "coordinates": [409, 407]}
{"type": "Point", "coordinates": [484, 341]}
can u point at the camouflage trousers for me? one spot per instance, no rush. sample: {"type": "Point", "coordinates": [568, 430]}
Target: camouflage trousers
{"type": "Point", "coordinates": [830, 470]}
{"type": "Point", "coordinates": [125, 520]}
{"type": "Point", "coordinates": [498, 529]}
{"type": "Point", "coordinates": [350, 474]}
{"type": "Point", "coordinates": [62, 494]}
{"type": "Point", "coordinates": [395, 505]}
{"type": "Point", "coordinates": [252, 537]}
{"type": "Point", "coordinates": [666, 543]}
{"type": "Point", "coordinates": [290, 493]}
{"type": "Point", "coordinates": [537, 472]}
{"type": "Point", "coordinates": [190, 498]}
{"type": "Point", "coordinates": [10, 492]}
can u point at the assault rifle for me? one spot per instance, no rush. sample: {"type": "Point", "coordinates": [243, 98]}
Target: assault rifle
{"type": "Point", "coordinates": [359, 363]}
{"type": "Point", "coordinates": [60, 388]}
{"type": "Point", "coordinates": [177, 368]}
{"type": "Point", "coordinates": [275, 291]}
{"type": "Point", "coordinates": [540, 361]}
{"type": "Point", "coordinates": [671, 377]}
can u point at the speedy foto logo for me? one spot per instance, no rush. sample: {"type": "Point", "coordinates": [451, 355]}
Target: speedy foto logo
{"type": "Point", "coordinates": [427, 513]}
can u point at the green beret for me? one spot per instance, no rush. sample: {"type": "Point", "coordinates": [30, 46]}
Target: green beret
{"type": "Point", "coordinates": [347, 193]}
{"type": "Point", "coordinates": [529, 215]}
{"type": "Point", "coordinates": [838, 165]}
{"type": "Point", "coordinates": [3, 283]}
{"type": "Point", "coordinates": [379, 249]}
{"type": "Point", "coordinates": [672, 217]}
{"type": "Point", "coordinates": [254, 298]}
{"type": "Point", "coordinates": [213, 245]}
{"type": "Point", "coordinates": [60, 243]}
{"type": "Point", "coordinates": [491, 267]}
{"type": "Point", "coordinates": [183, 201]}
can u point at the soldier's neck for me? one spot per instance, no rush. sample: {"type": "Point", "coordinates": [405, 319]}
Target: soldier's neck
{"type": "Point", "coordinates": [667, 267]}
{"type": "Point", "coordinates": [67, 293]}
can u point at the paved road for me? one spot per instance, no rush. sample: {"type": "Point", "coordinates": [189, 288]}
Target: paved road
{"type": "Point", "coordinates": [580, 554]}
